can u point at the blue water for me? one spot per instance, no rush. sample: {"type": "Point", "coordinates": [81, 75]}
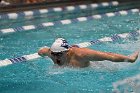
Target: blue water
{"type": "Point", "coordinates": [41, 76]}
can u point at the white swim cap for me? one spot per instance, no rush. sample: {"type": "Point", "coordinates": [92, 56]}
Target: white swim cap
{"type": "Point", "coordinates": [59, 45]}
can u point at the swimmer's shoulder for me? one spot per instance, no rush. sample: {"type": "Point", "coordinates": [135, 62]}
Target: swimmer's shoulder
{"type": "Point", "coordinates": [76, 51]}
{"type": "Point", "coordinates": [74, 48]}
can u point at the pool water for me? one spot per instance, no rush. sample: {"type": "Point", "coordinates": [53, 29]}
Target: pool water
{"type": "Point", "coordinates": [41, 76]}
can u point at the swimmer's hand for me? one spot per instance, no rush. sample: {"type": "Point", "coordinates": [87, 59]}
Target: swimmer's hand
{"type": "Point", "coordinates": [43, 52]}
{"type": "Point", "coordinates": [134, 56]}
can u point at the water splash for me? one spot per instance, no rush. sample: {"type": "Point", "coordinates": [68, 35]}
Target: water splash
{"type": "Point", "coordinates": [108, 66]}
{"type": "Point", "coordinates": [127, 85]}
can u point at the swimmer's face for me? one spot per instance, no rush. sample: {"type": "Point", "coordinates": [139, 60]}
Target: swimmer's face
{"type": "Point", "coordinates": [59, 57]}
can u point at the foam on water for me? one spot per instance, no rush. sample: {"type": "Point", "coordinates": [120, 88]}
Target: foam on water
{"type": "Point", "coordinates": [127, 85]}
{"type": "Point", "coordinates": [108, 66]}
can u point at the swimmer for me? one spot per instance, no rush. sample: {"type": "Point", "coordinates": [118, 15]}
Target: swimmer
{"type": "Point", "coordinates": [63, 54]}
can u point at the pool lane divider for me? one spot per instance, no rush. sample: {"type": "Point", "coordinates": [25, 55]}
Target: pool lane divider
{"type": "Point", "coordinates": [30, 57]}
{"type": "Point", "coordinates": [57, 9]}
{"type": "Point", "coordinates": [67, 21]}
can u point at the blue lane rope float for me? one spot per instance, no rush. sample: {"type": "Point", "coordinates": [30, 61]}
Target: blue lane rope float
{"type": "Point", "coordinates": [56, 9]}
{"type": "Point", "coordinates": [113, 38]}
{"type": "Point", "coordinates": [67, 21]}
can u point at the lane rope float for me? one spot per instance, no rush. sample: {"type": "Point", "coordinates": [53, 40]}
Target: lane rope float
{"type": "Point", "coordinates": [57, 9]}
{"type": "Point", "coordinates": [66, 22]}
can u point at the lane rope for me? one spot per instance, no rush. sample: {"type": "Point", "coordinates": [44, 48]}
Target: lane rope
{"type": "Point", "coordinates": [67, 21]}
{"type": "Point", "coordinates": [57, 9]}
{"type": "Point", "coordinates": [113, 38]}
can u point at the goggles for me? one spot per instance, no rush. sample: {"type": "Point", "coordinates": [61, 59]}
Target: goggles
{"type": "Point", "coordinates": [58, 54]}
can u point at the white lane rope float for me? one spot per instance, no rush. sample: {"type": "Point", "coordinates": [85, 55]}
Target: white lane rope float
{"type": "Point", "coordinates": [67, 21]}
{"type": "Point", "coordinates": [113, 38]}
{"type": "Point", "coordinates": [57, 9]}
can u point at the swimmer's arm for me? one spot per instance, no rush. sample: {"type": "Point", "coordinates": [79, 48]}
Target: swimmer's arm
{"type": "Point", "coordinates": [43, 51]}
{"type": "Point", "coordinates": [93, 55]}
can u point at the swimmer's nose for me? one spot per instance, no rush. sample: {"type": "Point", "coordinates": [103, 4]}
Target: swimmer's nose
{"type": "Point", "coordinates": [56, 57]}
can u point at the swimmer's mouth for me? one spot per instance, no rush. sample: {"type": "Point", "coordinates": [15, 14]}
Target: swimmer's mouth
{"type": "Point", "coordinates": [58, 61]}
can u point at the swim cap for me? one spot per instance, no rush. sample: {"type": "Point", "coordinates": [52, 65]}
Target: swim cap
{"type": "Point", "coordinates": [59, 45]}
